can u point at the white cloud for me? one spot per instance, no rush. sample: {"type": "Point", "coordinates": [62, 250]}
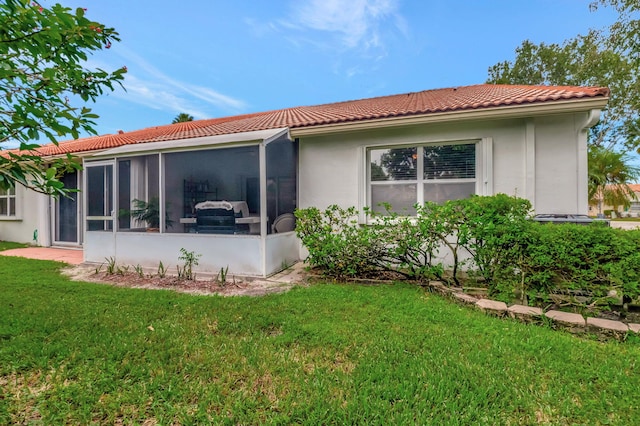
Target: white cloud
{"type": "Point", "coordinates": [356, 23]}
{"type": "Point", "coordinates": [260, 28]}
{"type": "Point", "coordinates": [353, 71]}
{"type": "Point", "coordinates": [148, 86]}
{"type": "Point", "coordinates": [157, 96]}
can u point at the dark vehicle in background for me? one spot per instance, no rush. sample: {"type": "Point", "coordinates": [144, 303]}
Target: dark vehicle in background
{"type": "Point", "coordinates": [578, 219]}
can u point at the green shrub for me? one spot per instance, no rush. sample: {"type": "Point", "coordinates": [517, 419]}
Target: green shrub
{"type": "Point", "coordinates": [410, 245]}
{"type": "Point", "coordinates": [342, 247]}
{"type": "Point", "coordinates": [491, 238]}
{"type": "Point", "coordinates": [565, 259]}
{"type": "Point", "coordinates": [561, 262]}
{"type": "Point", "coordinates": [625, 273]}
{"type": "Point", "coordinates": [493, 231]}
{"type": "Point", "coordinates": [190, 259]}
{"type": "Point", "coordinates": [337, 243]}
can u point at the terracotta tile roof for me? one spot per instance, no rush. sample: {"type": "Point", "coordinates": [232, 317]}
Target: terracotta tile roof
{"type": "Point", "coordinates": [635, 187]}
{"type": "Point", "coordinates": [476, 97]}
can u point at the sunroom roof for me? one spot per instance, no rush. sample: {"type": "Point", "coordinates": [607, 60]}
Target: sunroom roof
{"type": "Point", "coordinates": [244, 138]}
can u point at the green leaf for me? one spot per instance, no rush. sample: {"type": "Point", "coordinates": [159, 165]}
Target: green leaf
{"type": "Point", "coordinates": [51, 173]}
{"type": "Point", "coordinates": [43, 57]}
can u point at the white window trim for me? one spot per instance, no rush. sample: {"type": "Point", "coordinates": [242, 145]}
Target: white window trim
{"type": "Point", "coordinates": [14, 199]}
{"type": "Point", "coordinates": [484, 168]}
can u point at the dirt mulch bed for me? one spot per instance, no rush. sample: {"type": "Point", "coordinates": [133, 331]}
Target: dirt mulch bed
{"type": "Point", "coordinates": [233, 286]}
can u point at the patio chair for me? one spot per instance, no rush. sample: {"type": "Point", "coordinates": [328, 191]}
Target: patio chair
{"type": "Point", "coordinates": [284, 223]}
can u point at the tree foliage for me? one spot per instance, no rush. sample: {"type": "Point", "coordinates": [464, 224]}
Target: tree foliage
{"type": "Point", "coordinates": [609, 174]}
{"type": "Point", "coordinates": [604, 57]}
{"type": "Point", "coordinates": [45, 84]}
{"type": "Point", "coordinates": [182, 118]}
{"type": "Point", "coordinates": [400, 163]}
{"type": "Point", "coordinates": [607, 57]}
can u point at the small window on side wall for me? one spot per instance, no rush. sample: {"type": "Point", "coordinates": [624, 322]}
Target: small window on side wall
{"type": "Point", "coordinates": [405, 176]}
{"type": "Point", "coordinates": [7, 203]}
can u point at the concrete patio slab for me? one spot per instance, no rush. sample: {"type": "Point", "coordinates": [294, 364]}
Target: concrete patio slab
{"type": "Point", "coordinates": [71, 256]}
{"type": "Point", "coordinates": [295, 274]}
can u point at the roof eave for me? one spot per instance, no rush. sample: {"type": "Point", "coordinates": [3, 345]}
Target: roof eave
{"type": "Point", "coordinates": [205, 142]}
{"type": "Point", "coordinates": [489, 113]}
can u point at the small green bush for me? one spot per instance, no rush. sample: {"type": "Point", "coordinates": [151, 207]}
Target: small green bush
{"type": "Point", "coordinates": [492, 239]}
{"type": "Point", "coordinates": [343, 247]}
{"type": "Point", "coordinates": [190, 259]}
{"type": "Point", "coordinates": [493, 232]}
{"type": "Point", "coordinates": [413, 246]}
{"type": "Point", "coordinates": [337, 243]}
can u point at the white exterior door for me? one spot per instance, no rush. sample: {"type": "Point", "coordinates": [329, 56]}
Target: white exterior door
{"type": "Point", "coordinates": [99, 208]}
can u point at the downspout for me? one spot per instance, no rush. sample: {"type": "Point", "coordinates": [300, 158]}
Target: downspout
{"type": "Point", "coordinates": [530, 162]}
{"type": "Point", "coordinates": [592, 118]}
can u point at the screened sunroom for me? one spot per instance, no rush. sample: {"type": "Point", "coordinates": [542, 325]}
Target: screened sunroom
{"type": "Point", "coordinates": [229, 198]}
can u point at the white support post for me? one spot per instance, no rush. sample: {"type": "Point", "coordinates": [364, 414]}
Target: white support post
{"type": "Point", "coordinates": [530, 162]}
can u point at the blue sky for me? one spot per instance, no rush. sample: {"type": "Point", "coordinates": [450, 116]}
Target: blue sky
{"type": "Point", "coordinates": [213, 58]}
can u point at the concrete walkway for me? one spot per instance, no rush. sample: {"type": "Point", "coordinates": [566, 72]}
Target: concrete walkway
{"type": "Point", "coordinates": [296, 274]}
{"type": "Point", "coordinates": [71, 256]}
{"type": "Point", "coordinates": [625, 225]}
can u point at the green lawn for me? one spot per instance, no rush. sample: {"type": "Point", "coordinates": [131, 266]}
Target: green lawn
{"type": "Point", "coordinates": [79, 353]}
{"type": "Point", "coordinates": [7, 245]}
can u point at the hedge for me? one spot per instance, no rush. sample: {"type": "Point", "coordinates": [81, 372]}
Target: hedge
{"type": "Point", "coordinates": [490, 240]}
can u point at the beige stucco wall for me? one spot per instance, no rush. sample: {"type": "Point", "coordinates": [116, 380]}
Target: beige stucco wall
{"type": "Point", "coordinates": [542, 159]}
{"type": "Point", "coordinates": [32, 215]}
{"type": "Point", "coordinates": [561, 165]}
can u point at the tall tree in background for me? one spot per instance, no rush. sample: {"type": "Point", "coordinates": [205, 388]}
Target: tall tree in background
{"type": "Point", "coordinates": [609, 57]}
{"type": "Point", "coordinates": [596, 59]}
{"type": "Point", "coordinates": [182, 117]}
{"type": "Point", "coordinates": [399, 164]}
{"type": "Point", "coordinates": [45, 86]}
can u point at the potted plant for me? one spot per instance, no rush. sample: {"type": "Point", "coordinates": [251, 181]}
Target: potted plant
{"type": "Point", "coordinates": [149, 212]}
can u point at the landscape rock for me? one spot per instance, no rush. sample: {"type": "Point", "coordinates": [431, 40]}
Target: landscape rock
{"type": "Point", "coordinates": [526, 314]}
{"type": "Point", "coordinates": [439, 287]}
{"type": "Point", "coordinates": [492, 307]}
{"type": "Point", "coordinates": [464, 298]}
{"type": "Point", "coordinates": [574, 323]}
{"type": "Point", "coordinates": [606, 329]}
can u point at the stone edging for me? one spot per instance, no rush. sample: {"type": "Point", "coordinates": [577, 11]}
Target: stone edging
{"type": "Point", "coordinates": [574, 323]}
